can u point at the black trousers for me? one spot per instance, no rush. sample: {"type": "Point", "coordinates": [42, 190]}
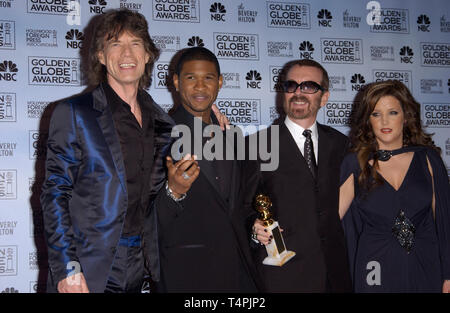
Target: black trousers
{"type": "Point", "coordinates": [127, 272]}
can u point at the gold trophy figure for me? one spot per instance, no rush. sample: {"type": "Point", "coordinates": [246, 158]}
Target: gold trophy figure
{"type": "Point", "coordinates": [277, 254]}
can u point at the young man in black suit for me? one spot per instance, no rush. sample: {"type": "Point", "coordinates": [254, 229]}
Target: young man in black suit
{"type": "Point", "coordinates": [203, 242]}
{"type": "Point", "coordinates": [304, 189]}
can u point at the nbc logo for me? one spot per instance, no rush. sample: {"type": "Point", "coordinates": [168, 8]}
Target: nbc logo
{"type": "Point", "coordinates": [423, 23]}
{"type": "Point", "coordinates": [97, 6]}
{"type": "Point", "coordinates": [195, 41]}
{"type": "Point", "coordinates": [358, 82]}
{"type": "Point", "coordinates": [325, 18]}
{"type": "Point", "coordinates": [253, 79]}
{"type": "Point", "coordinates": [8, 71]}
{"type": "Point", "coordinates": [406, 55]}
{"type": "Point", "coordinates": [217, 12]}
{"type": "Point", "coordinates": [74, 39]}
{"type": "Point", "coordinates": [306, 50]}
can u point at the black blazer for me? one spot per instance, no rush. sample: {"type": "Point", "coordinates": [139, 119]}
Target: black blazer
{"type": "Point", "coordinates": [307, 211]}
{"type": "Point", "coordinates": [203, 242]}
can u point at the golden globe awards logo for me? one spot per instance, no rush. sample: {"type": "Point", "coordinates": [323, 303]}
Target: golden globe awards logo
{"type": "Point", "coordinates": [403, 76]}
{"type": "Point", "coordinates": [275, 83]}
{"type": "Point", "coordinates": [176, 10]}
{"type": "Point", "coordinates": [436, 114]}
{"type": "Point", "coordinates": [288, 15]}
{"type": "Point", "coordinates": [7, 107]}
{"type": "Point", "coordinates": [240, 111]}
{"type": "Point", "coordinates": [233, 46]}
{"type": "Point", "coordinates": [161, 75]}
{"type": "Point", "coordinates": [97, 6]}
{"type": "Point", "coordinates": [392, 21]}
{"type": "Point", "coordinates": [7, 35]}
{"type": "Point", "coordinates": [8, 260]}
{"type": "Point", "coordinates": [52, 71]}
{"type": "Point", "coordinates": [54, 7]}
{"type": "Point", "coordinates": [37, 145]}
{"type": "Point", "coordinates": [341, 51]}
{"type": "Point", "coordinates": [435, 54]}
{"type": "Point", "coordinates": [8, 184]}
{"type": "Point", "coordinates": [338, 113]}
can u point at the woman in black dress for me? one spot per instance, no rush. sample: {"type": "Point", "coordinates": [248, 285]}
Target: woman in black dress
{"type": "Point", "coordinates": [394, 197]}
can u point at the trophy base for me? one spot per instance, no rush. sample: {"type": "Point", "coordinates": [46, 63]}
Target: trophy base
{"type": "Point", "coordinates": [279, 261]}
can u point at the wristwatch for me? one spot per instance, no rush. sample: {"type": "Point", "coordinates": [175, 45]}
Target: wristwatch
{"type": "Point", "coordinates": [170, 194]}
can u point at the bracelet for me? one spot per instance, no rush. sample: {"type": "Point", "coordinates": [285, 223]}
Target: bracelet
{"type": "Point", "coordinates": [170, 194]}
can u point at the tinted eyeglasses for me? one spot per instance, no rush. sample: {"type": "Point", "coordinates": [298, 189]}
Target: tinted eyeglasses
{"type": "Point", "coordinates": [305, 87]}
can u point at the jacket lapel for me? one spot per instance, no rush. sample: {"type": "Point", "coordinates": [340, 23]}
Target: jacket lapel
{"type": "Point", "coordinates": [106, 123]}
{"type": "Point", "coordinates": [325, 145]}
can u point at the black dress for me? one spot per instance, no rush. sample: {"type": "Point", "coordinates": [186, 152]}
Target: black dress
{"type": "Point", "coordinates": [395, 243]}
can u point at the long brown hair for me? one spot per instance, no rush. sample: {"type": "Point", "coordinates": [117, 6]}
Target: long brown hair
{"type": "Point", "coordinates": [112, 25]}
{"type": "Point", "coordinates": [363, 137]}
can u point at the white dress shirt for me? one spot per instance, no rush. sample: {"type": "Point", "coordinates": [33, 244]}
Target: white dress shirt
{"type": "Point", "coordinates": [297, 132]}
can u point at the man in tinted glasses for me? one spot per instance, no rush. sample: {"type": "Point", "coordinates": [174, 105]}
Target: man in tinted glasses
{"type": "Point", "coordinates": [304, 189]}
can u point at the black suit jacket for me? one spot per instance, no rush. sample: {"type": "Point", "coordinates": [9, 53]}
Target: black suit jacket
{"type": "Point", "coordinates": [84, 197]}
{"type": "Point", "coordinates": [204, 245]}
{"type": "Point", "coordinates": [307, 211]}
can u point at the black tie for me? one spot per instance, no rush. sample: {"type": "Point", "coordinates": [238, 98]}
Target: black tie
{"type": "Point", "coordinates": [309, 153]}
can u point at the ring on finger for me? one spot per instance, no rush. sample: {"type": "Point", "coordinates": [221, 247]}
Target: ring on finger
{"type": "Point", "coordinates": [185, 176]}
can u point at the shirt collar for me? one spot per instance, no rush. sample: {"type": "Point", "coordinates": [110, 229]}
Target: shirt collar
{"type": "Point", "coordinates": [298, 130]}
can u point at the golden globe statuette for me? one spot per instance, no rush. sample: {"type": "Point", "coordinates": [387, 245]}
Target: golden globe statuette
{"type": "Point", "coordinates": [277, 254]}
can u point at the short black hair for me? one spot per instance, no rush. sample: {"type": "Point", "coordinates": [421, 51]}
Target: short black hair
{"type": "Point", "coordinates": [199, 54]}
{"type": "Point", "coordinates": [325, 83]}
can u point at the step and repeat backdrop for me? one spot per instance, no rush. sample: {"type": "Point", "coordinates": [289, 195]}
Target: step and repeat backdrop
{"type": "Point", "coordinates": [357, 41]}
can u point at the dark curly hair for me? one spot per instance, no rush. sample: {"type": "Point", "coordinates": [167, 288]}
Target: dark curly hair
{"type": "Point", "coordinates": [111, 25]}
{"type": "Point", "coordinates": [364, 143]}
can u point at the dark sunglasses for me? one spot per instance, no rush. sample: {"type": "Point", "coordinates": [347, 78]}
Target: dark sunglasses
{"type": "Point", "coordinates": [305, 87]}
